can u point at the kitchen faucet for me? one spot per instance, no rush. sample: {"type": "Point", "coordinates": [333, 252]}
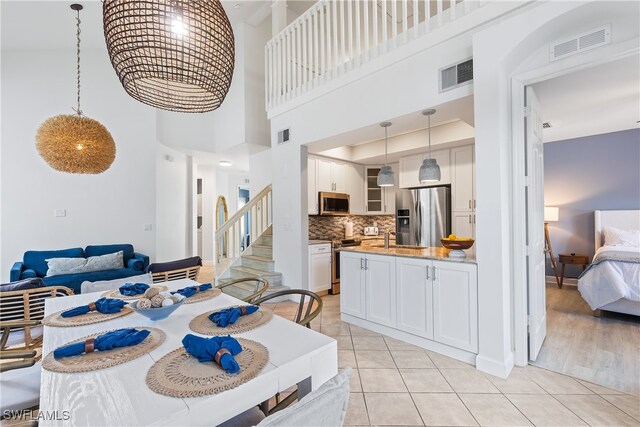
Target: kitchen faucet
{"type": "Point", "coordinates": [386, 238]}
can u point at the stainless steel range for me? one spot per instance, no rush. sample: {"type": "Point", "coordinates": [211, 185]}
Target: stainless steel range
{"type": "Point", "coordinates": [335, 262]}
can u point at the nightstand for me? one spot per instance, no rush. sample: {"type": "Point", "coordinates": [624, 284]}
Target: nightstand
{"type": "Point", "coordinates": [574, 259]}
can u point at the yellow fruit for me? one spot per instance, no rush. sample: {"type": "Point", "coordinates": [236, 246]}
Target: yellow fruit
{"type": "Point", "coordinates": [452, 237]}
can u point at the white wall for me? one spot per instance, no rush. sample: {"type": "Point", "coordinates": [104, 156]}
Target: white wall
{"type": "Point", "coordinates": [260, 171]}
{"type": "Point", "coordinates": [112, 207]}
{"type": "Point", "coordinates": [172, 205]}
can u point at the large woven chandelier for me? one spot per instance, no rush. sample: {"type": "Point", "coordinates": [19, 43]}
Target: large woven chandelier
{"type": "Point", "coordinates": [177, 55]}
{"type": "Point", "coordinates": [74, 143]}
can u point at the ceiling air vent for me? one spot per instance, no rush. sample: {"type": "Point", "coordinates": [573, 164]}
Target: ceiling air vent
{"type": "Point", "coordinates": [283, 136]}
{"type": "Point", "coordinates": [456, 75]}
{"type": "Point", "coordinates": [580, 43]}
{"type": "Point", "coordinates": [546, 125]}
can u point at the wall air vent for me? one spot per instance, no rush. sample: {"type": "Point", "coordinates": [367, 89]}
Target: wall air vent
{"type": "Point", "coordinates": [456, 75]}
{"type": "Point", "coordinates": [283, 136]}
{"type": "Point", "coordinates": [580, 43]}
{"type": "Point", "coordinates": [546, 125]}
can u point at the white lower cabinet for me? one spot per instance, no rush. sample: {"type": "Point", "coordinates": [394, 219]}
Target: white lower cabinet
{"type": "Point", "coordinates": [455, 305]}
{"type": "Point", "coordinates": [414, 296]}
{"type": "Point", "coordinates": [436, 300]}
{"type": "Point", "coordinates": [320, 267]}
{"type": "Point", "coordinates": [380, 289]}
{"type": "Point", "coordinates": [352, 279]}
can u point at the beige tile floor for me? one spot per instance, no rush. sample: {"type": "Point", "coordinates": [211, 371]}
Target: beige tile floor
{"type": "Point", "coordinates": [394, 383]}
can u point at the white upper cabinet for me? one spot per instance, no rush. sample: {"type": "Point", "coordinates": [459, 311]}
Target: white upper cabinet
{"type": "Point", "coordinates": [312, 182]}
{"type": "Point", "coordinates": [462, 179]}
{"type": "Point", "coordinates": [355, 188]}
{"type": "Point", "coordinates": [325, 181]}
{"type": "Point", "coordinates": [410, 169]}
{"type": "Point", "coordinates": [332, 176]}
{"type": "Point", "coordinates": [339, 177]}
{"type": "Point", "coordinates": [462, 224]}
{"type": "Point", "coordinates": [379, 200]}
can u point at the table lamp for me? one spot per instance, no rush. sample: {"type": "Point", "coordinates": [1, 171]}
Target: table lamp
{"type": "Point", "coordinates": [551, 214]}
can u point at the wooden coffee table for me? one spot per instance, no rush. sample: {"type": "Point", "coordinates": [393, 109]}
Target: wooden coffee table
{"type": "Point", "coordinates": [575, 259]}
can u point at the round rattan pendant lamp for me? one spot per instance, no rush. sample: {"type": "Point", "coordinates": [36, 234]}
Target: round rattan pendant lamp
{"type": "Point", "coordinates": [75, 143]}
{"type": "Point", "coordinates": [177, 55]}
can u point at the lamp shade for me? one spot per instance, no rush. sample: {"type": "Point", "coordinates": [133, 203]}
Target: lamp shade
{"type": "Point", "coordinates": [385, 177]}
{"type": "Point", "coordinates": [429, 171]}
{"type": "Point", "coordinates": [177, 55]}
{"type": "Point", "coordinates": [551, 213]}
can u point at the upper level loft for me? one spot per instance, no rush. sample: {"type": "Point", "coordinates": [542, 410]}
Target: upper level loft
{"type": "Point", "coordinates": [337, 41]}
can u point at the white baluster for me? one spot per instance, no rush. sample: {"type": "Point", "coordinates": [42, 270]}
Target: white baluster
{"type": "Point", "coordinates": [316, 50]}
{"type": "Point", "coordinates": [405, 20]}
{"type": "Point", "coordinates": [334, 11]}
{"type": "Point", "coordinates": [304, 79]}
{"type": "Point", "coordinates": [342, 34]}
{"type": "Point", "coordinates": [427, 16]}
{"type": "Point", "coordinates": [385, 34]}
{"type": "Point", "coordinates": [374, 7]}
{"type": "Point", "coordinates": [452, 10]}
{"type": "Point", "coordinates": [439, 9]}
{"type": "Point", "coordinates": [310, 51]}
{"type": "Point", "coordinates": [356, 5]}
{"type": "Point", "coordinates": [289, 64]}
{"type": "Point", "coordinates": [350, 32]}
{"type": "Point", "coordinates": [327, 19]}
{"type": "Point", "coordinates": [394, 22]}
{"type": "Point", "coordinates": [299, 77]}
{"type": "Point", "coordinates": [323, 52]}
{"type": "Point", "coordinates": [416, 26]}
{"type": "Point", "coordinates": [366, 29]}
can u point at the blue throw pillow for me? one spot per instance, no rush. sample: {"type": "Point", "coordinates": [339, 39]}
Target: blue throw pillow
{"type": "Point", "coordinates": [28, 274]}
{"type": "Point", "coordinates": [136, 264]}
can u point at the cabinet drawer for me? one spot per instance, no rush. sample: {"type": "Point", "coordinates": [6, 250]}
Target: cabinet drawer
{"type": "Point", "coordinates": [320, 249]}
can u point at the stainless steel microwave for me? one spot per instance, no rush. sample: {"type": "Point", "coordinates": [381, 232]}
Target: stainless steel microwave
{"type": "Point", "coordinates": [334, 204]}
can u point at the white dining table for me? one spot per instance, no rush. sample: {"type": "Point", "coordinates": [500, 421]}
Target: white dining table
{"type": "Point", "coordinates": [119, 396]}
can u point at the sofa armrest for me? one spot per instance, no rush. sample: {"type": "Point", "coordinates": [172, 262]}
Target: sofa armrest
{"type": "Point", "coordinates": [142, 257]}
{"type": "Point", "coordinates": [16, 270]}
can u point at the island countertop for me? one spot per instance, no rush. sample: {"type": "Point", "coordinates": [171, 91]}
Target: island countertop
{"type": "Point", "coordinates": [440, 254]}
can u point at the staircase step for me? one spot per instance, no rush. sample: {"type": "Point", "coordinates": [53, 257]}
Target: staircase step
{"type": "Point", "coordinates": [265, 251]}
{"type": "Point", "coordinates": [265, 239]}
{"type": "Point", "coordinates": [257, 262]}
{"type": "Point", "coordinates": [274, 278]}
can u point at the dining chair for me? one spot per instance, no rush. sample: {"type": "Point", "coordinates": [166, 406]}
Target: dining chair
{"type": "Point", "coordinates": [305, 312]}
{"type": "Point", "coordinates": [255, 287]}
{"type": "Point", "coordinates": [187, 268]}
{"type": "Point", "coordinates": [324, 407]}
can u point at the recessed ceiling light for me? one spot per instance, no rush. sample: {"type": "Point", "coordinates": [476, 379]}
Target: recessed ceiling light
{"type": "Point", "coordinates": [225, 163]}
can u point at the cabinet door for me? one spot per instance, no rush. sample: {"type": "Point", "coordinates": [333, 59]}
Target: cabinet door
{"type": "Point", "coordinates": [355, 188]}
{"type": "Point", "coordinates": [455, 305]}
{"type": "Point", "coordinates": [320, 272]}
{"type": "Point", "coordinates": [414, 296]}
{"type": "Point", "coordinates": [462, 224]}
{"type": "Point", "coordinates": [312, 196]}
{"type": "Point", "coordinates": [374, 194]}
{"type": "Point", "coordinates": [325, 183]}
{"type": "Point", "coordinates": [352, 285]}
{"type": "Point", "coordinates": [339, 177]}
{"type": "Point", "coordinates": [390, 193]}
{"type": "Point", "coordinates": [409, 170]}
{"type": "Point", "coordinates": [380, 289]}
{"type": "Point", "coordinates": [462, 179]}
{"type": "Point", "coordinates": [443, 159]}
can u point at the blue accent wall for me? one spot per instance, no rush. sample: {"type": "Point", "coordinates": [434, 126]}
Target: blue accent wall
{"type": "Point", "coordinates": [600, 172]}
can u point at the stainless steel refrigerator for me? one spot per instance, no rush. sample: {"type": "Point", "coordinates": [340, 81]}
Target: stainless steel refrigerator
{"type": "Point", "coordinates": [423, 215]}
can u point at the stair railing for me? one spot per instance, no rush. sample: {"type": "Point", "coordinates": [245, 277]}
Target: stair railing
{"type": "Point", "coordinates": [230, 239]}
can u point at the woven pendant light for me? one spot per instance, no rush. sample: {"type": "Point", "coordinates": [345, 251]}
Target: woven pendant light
{"type": "Point", "coordinates": [177, 55]}
{"type": "Point", "coordinates": [74, 143]}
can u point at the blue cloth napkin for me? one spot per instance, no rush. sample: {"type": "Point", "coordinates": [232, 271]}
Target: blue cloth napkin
{"type": "Point", "coordinates": [206, 350]}
{"type": "Point", "coordinates": [190, 291]}
{"type": "Point", "coordinates": [131, 289]}
{"type": "Point", "coordinates": [228, 316]}
{"type": "Point", "coordinates": [118, 338]}
{"type": "Point", "coordinates": [103, 305]}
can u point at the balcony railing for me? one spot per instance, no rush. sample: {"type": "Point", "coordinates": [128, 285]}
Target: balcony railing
{"type": "Point", "coordinates": [337, 36]}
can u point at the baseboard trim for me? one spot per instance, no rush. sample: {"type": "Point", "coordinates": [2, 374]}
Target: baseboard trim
{"type": "Point", "coordinates": [500, 369]}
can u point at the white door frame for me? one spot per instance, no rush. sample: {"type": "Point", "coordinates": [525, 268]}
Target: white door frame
{"type": "Point", "coordinates": [518, 214]}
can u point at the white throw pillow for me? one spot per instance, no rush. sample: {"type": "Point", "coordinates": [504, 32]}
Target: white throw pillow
{"type": "Point", "coordinates": [59, 266]}
{"type": "Point", "coordinates": [618, 237]}
{"type": "Point", "coordinates": [108, 285]}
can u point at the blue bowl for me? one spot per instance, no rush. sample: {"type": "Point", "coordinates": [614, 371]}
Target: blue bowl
{"type": "Point", "coordinates": [155, 313]}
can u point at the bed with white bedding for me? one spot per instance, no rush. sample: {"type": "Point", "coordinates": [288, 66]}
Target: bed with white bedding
{"type": "Point", "coordinates": [612, 281]}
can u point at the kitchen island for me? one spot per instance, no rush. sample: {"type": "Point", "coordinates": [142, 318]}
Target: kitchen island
{"type": "Point", "coordinates": [417, 295]}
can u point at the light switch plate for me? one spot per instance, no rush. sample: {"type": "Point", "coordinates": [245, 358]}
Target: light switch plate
{"type": "Point", "coordinates": [148, 227]}
{"type": "Point", "coordinates": [59, 213]}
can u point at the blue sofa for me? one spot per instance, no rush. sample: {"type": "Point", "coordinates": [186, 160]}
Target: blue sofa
{"type": "Point", "coordinates": [34, 264]}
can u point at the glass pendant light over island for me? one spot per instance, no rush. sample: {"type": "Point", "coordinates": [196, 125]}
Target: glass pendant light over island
{"type": "Point", "coordinates": [429, 171]}
{"type": "Point", "coordinates": [385, 176]}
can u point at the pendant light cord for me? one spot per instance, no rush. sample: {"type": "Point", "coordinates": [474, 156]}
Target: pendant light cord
{"type": "Point", "coordinates": [429, 117]}
{"type": "Point", "coordinates": [78, 110]}
{"type": "Point", "coordinates": [385, 146]}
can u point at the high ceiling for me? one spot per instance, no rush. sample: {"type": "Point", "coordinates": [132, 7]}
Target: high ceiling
{"type": "Point", "coordinates": [593, 101]}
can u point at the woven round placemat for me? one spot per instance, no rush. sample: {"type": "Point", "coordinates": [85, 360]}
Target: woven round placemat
{"type": "Point", "coordinates": [178, 374]}
{"type": "Point", "coordinates": [115, 293]}
{"type": "Point", "coordinates": [203, 296]}
{"type": "Point", "coordinates": [202, 325]}
{"type": "Point", "coordinates": [57, 320]}
{"type": "Point", "coordinates": [87, 362]}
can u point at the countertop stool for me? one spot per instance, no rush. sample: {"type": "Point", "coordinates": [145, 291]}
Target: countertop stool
{"type": "Point", "coordinates": [575, 259]}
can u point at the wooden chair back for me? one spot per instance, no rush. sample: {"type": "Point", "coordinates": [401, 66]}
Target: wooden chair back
{"type": "Point", "coordinates": [181, 273]}
{"type": "Point", "coordinates": [261, 285]}
{"type": "Point", "coordinates": [309, 307]}
{"type": "Point", "coordinates": [28, 305]}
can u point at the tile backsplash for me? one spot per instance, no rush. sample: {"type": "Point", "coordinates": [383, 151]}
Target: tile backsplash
{"type": "Point", "coordinates": [332, 227]}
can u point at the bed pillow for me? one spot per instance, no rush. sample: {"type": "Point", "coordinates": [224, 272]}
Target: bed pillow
{"type": "Point", "coordinates": [618, 237]}
{"type": "Point", "coordinates": [60, 266]}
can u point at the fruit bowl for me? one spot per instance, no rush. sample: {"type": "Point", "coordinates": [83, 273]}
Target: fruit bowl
{"type": "Point", "coordinates": [458, 243]}
{"type": "Point", "coordinates": [158, 313]}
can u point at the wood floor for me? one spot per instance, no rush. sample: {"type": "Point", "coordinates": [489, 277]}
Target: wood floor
{"type": "Point", "coordinates": [603, 350]}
